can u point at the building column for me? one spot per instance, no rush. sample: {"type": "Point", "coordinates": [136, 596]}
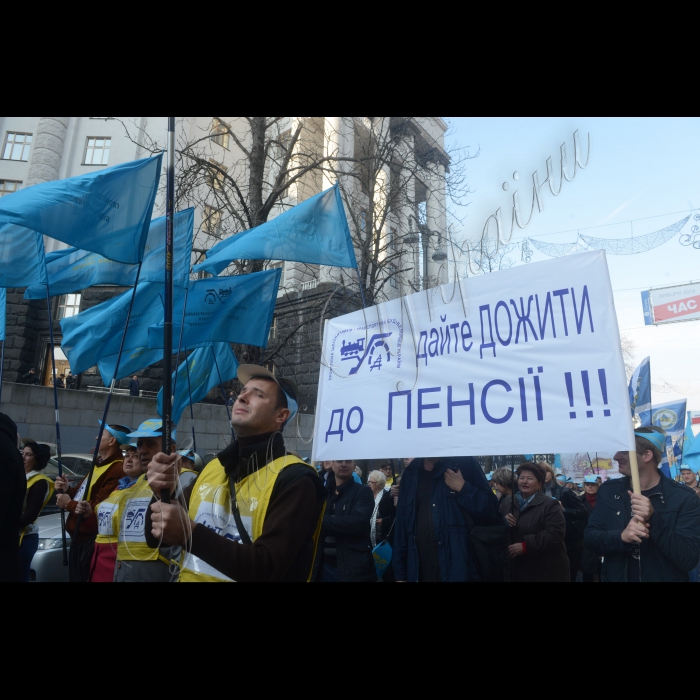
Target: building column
{"type": "Point", "coordinates": [47, 150]}
{"type": "Point", "coordinates": [437, 221]}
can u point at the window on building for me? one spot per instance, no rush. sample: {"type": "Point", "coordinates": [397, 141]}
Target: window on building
{"type": "Point", "coordinates": [392, 239]}
{"type": "Point", "coordinates": [97, 151]}
{"type": "Point", "coordinates": [217, 174]}
{"type": "Point", "coordinates": [392, 276]}
{"type": "Point", "coordinates": [9, 186]}
{"type": "Point", "coordinates": [273, 330]}
{"type": "Point", "coordinates": [212, 221]}
{"type": "Point", "coordinates": [220, 133]}
{"type": "Point", "coordinates": [280, 265]}
{"type": "Point", "coordinates": [17, 146]}
{"type": "Point", "coordinates": [68, 306]}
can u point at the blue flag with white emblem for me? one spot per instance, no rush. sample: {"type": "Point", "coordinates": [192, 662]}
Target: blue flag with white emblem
{"type": "Point", "coordinates": [133, 361]}
{"type": "Point", "coordinates": [73, 270]}
{"type": "Point", "coordinates": [640, 392]}
{"type": "Point", "coordinates": [691, 447]}
{"type": "Point", "coordinates": [315, 232]}
{"type": "Point", "coordinates": [22, 260]}
{"type": "Point", "coordinates": [106, 212]}
{"type": "Point", "coordinates": [203, 376]}
{"type": "Point", "coordinates": [236, 309]}
{"type": "Point", "coordinates": [97, 333]}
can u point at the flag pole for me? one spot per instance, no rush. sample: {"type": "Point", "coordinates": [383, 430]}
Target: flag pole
{"type": "Point", "coordinates": [168, 317]}
{"type": "Point", "coordinates": [223, 392]}
{"type": "Point", "coordinates": [108, 403]}
{"type": "Point", "coordinates": [64, 540]}
{"type": "Point", "coordinates": [189, 389]}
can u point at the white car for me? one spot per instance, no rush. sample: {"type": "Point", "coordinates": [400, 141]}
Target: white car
{"type": "Point", "coordinates": [47, 565]}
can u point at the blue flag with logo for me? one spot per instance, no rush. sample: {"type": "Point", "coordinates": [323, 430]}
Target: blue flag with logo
{"type": "Point", "coordinates": [97, 333]}
{"type": "Point", "coordinates": [225, 310]}
{"type": "Point", "coordinates": [691, 447]}
{"type": "Point", "coordinates": [106, 212]}
{"type": "Point", "coordinates": [671, 417]}
{"type": "Point", "coordinates": [73, 270]}
{"type": "Point", "coordinates": [3, 304]}
{"type": "Point", "coordinates": [203, 376]}
{"type": "Point", "coordinates": [640, 391]}
{"type": "Point", "coordinates": [314, 232]}
{"type": "Point", "coordinates": [22, 260]}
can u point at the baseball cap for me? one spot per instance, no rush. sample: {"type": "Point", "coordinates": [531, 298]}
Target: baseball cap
{"type": "Point", "coordinates": [289, 389]}
{"type": "Point", "coordinates": [591, 479]}
{"type": "Point", "coordinates": [120, 437]}
{"type": "Point", "coordinates": [153, 427]}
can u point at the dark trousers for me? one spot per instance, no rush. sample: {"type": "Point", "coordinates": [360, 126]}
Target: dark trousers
{"type": "Point", "coordinates": [575, 555]}
{"type": "Point", "coordinates": [27, 550]}
{"type": "Point", "coordinates": [80, 560]}
{"type": "Point", "coordinates": [328, 574]}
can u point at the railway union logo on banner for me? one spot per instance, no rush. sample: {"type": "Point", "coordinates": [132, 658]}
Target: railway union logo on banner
{"type": "Point", "coordinates": [367, 352]}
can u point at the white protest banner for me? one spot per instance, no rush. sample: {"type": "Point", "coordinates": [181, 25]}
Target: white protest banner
{"type": "Point", "coordinates": [519, 361]}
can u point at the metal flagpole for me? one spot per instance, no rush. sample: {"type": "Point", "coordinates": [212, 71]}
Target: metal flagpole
{"type": "Point", "coordinates": [58, 423]}
{"type": "Point", "coordinates": [189, 388]}
{"type": "Point", "coordinates": [223, 392]}
{"type": "Point", "coordinates": [2, 367]}
{"type": "Point", "coordinates": [112, 386]}
{"type": "Point", "coordinates": [168, 320]}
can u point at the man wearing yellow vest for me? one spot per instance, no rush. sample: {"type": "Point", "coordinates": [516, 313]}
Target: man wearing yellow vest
{"type": "Point", "coordinates": [39, 491]}
{"type": "Point", "coordinates": [105, 480]}
{"type": "Point", "coordinates": [255, 513]}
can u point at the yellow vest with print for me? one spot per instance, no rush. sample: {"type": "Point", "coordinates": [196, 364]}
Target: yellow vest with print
{"type": "Point", "coordinates": [99, 471]}
{"type": "Point", "coordinates": [130, 528]}
{"type": "Point", "coordinates": [108, 517]}
{"type": "Point", "coordinates": [35, 480]}
{"type": "Point", "coordinates": [210, 506]}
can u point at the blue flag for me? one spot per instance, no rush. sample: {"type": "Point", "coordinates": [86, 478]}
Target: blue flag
{"type": "Point", "coordinates": [691, 447]}
{"type": "Point", "coordinates": [225, 310]}
{"type": "Point", "coordinates": [96, 333]}
{"type": "Point", "coordinates": [22, 259]}
{"type": "Point", "coordinates": [133, 361]}
{"type": "Point", "coordinates": [73, 270]}
{"type": "Point", "coordinates": [314, 232]}
{"type": "Point", "coordinates": [106, 212]}
{"type": "Point", "coordinates": [203, 376]}
{"type": "Point", "coordinates": [3, 304]}
{"type": "Point", "coordinates": [640, 391]}
{"type": "Point", "coordinates": [671, 417]}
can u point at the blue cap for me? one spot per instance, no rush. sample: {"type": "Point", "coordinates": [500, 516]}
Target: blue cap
{"type": "Point", "coordinates": [656, 439]}
{"type": "Point", "coordinates": [121, 438]}
{"type": "Point", "coordinates": [152, 428]}
{"type": "Point", "coordinates": [247, 372]}
{"type": "Point", "coordinates": [569, 480]}
{"type": "Point", "coordinates": [688, 468]}
{"type": "Point", "coordinates": [591, 479]}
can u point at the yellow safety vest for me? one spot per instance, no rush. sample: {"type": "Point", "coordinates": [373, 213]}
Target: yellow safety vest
{"type": "Point", "coordinates": [35, 480]}
{"type": "Point", "coordinates": [131, 526]}
{"type": "Point", "coordinates": [108, 517]}
{"type": "Point", "coordinates": [211, 506]}
{"type": "Point", "coordinates": [99, 471]}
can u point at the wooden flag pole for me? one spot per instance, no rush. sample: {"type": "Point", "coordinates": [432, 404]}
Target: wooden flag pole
{"type": "Point", "coordinates": [634, 468]}
{"type": "Point", "coordinates": [168, 316]}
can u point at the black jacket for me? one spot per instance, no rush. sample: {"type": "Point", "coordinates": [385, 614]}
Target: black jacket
{"type": "Point", "coordinates": [576, 517]}
{"type": "Point", "coordinates": [387, 514]}
{"type": "Point", "coordinates": [134, 388]}
{"type": "Point", "coordinates": [673, 548]}
{"type": "Point", "coordinates": [348, 516]}
{"type": "Point", "coordinates": [12, 493]}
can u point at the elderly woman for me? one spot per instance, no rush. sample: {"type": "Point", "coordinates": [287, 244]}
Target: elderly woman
{"type": "Point", "coordinates": [384, 510]}
{"type": "Point", "coordinates": [504, 482]}
{"type": "Point", "coordinates": [39, 491]}
{"type": "Point", "coordinates": [104, 557]}
{"type": "Point", "coordinates": [538, 529]}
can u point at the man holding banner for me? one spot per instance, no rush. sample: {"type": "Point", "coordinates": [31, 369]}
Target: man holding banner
{"type": "Point", "coordinates": [653, 537]}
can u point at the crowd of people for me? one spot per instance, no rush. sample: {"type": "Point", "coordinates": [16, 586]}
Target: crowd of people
{"type": "Point", "coordinates": [258, 512]}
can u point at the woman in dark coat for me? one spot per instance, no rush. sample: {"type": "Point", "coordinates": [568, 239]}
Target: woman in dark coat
{"type": "Point", "coordinates": [538, 529]}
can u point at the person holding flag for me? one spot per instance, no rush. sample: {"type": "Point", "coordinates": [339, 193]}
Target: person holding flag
{"type": "Point", "coordinates": [84, 500]}
{"type": "Point", "coordinates": [652, 537]}
{"type": "Point", "coordinates": [256, 512]}
{"type": "Point", "coordinates": [690, 478]}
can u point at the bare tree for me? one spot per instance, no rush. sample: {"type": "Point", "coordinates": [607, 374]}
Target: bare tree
{"type": "Point", "coordinates": [629, 349]}
{"type": "Point", "coordinates": [396, 179]}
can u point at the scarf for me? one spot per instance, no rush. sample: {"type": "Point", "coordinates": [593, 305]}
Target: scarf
{"type": "Point", "coordinates": [377, 501]}
{"type": "Point", "coordinates": [522, 503]}
{"type": "Point", "coordinates": [592, 498]}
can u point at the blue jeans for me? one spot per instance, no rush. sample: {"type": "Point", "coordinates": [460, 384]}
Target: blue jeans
{"type": "Point", "coordinates": [29, 547]}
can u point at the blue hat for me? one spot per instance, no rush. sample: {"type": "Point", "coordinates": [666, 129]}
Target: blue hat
{"type": "Point", "coordinates": [152, 428]}
{"type": "Point", "coordinates": [247, 372]}
{"type": "Point", "coordinates": [591, 479]}
{"type": "Point", "coordinates": [656, 439]}
{"type": "Point", "coordinates": [120, 437]}
{"type": "Point", "coordinates": [687, 467]}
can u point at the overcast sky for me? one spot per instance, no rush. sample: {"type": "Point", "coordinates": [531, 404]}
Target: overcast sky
{"type": "Point", "coordinates": [640, 169]}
